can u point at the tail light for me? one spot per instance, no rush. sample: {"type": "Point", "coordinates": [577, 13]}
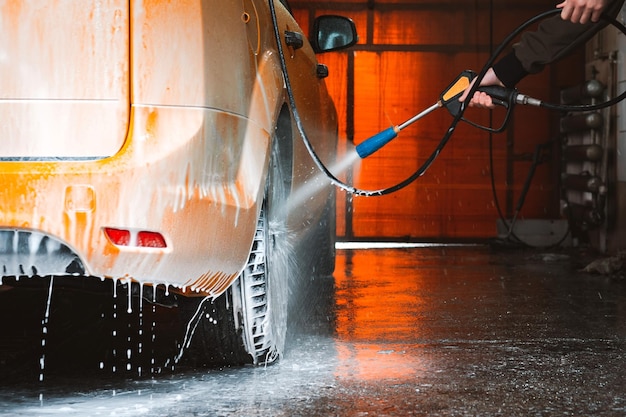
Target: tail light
{"type": "Point", "coordinates": [132, 238]}
{"type": "Point", "coordinates": [150, 240]}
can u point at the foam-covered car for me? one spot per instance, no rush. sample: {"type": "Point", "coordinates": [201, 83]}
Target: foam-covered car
{"type": "Point", "coordinates": [153, 143]}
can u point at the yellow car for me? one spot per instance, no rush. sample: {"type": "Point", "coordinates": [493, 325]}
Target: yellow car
{"type": "Point", "coordinates": [154, 144]}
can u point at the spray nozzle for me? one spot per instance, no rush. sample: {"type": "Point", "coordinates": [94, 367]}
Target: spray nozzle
{"type": "Point", "coordinates": [376, 142]}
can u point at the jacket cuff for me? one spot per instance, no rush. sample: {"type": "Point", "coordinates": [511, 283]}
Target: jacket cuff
{"type": "Point", "coordinates": [509, 70]}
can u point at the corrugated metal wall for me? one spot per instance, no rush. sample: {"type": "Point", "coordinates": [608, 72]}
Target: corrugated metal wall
{"type": "Point", "coordinates": [409, 51]}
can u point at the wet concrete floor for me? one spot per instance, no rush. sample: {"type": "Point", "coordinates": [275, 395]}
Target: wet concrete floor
{"type": "Point", "coordinates": [437, 331]}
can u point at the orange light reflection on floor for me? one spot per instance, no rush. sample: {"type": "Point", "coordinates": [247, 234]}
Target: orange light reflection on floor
{"type": "Point", "coordinates": [369, 362]}
{"type": "Point", "coordinates": [372, 324]}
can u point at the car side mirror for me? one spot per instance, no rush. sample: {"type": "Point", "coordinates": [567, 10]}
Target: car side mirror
{"type": "Point", "coordinates": [331, 33]}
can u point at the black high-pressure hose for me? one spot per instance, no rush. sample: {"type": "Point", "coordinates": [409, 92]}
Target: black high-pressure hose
{"type": "Point", "coordinates": [458, 117]}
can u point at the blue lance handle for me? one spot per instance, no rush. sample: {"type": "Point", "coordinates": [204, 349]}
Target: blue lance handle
{"type": "Point", "coordinates": [371, 145]}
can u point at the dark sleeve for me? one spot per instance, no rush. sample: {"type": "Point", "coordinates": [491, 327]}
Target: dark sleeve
{"type": "Point", "coordinates": [553, 39]}
{"type": "Point", "coordinates": [509, 70]}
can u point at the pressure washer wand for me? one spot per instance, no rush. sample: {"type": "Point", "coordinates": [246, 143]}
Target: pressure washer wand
{"type": "Point", "coordinates": [449, 97]}
{"type": "Point", "coordinates": [374, 143]}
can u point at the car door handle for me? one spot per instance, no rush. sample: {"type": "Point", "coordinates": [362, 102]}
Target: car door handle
{"type": "Point", "coordinates": [321, 71]}
{"type": "Point", "coordinates": [294, 39]}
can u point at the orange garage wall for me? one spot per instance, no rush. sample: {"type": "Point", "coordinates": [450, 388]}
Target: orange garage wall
{"type": "Point", "coordinates": [408, 52]}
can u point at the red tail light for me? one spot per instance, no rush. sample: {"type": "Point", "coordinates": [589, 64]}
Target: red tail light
{"type": "Point", "coordinates": [118, 236]}
{"type": "Point", "coordinates": [151, 240]}
{"type": "Point", "coordinates": [143, 239]}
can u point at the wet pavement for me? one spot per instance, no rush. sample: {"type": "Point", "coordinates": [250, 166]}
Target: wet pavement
{"type": "Point", "coordinates": [437, 331]}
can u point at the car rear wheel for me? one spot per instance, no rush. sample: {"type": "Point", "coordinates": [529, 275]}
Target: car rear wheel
{"type": "Point", "coordinates": [263, 296]}
{"type": "Point", "coordinates": [247, 323]}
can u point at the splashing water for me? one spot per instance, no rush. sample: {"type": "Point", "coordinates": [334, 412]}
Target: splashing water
{"type": "Point", "coordinates": [192, 324]}
{"type": "Point", "coordinates": [321, 180]}
{"type": "Point", "coordinates": [44, 331]}
{"type": "Point", "coordinates": [283, 266]}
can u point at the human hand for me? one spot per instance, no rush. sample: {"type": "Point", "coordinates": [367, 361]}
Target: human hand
{"type": "Point", "coordinates": [582, 11]}
{"type": "Point", "coordinates": [480, 99]}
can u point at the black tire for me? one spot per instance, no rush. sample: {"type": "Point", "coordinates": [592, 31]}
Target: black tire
{"type": "Point", "coordinates": [248, 323]}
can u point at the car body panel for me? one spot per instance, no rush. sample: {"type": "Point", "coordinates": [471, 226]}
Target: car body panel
{"type": "Point", "coordinates": [319, 121]}
{"type": "Point", "coordinates": [63, 77]}
{"type": "Point", "coordinates": [194, 92]}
